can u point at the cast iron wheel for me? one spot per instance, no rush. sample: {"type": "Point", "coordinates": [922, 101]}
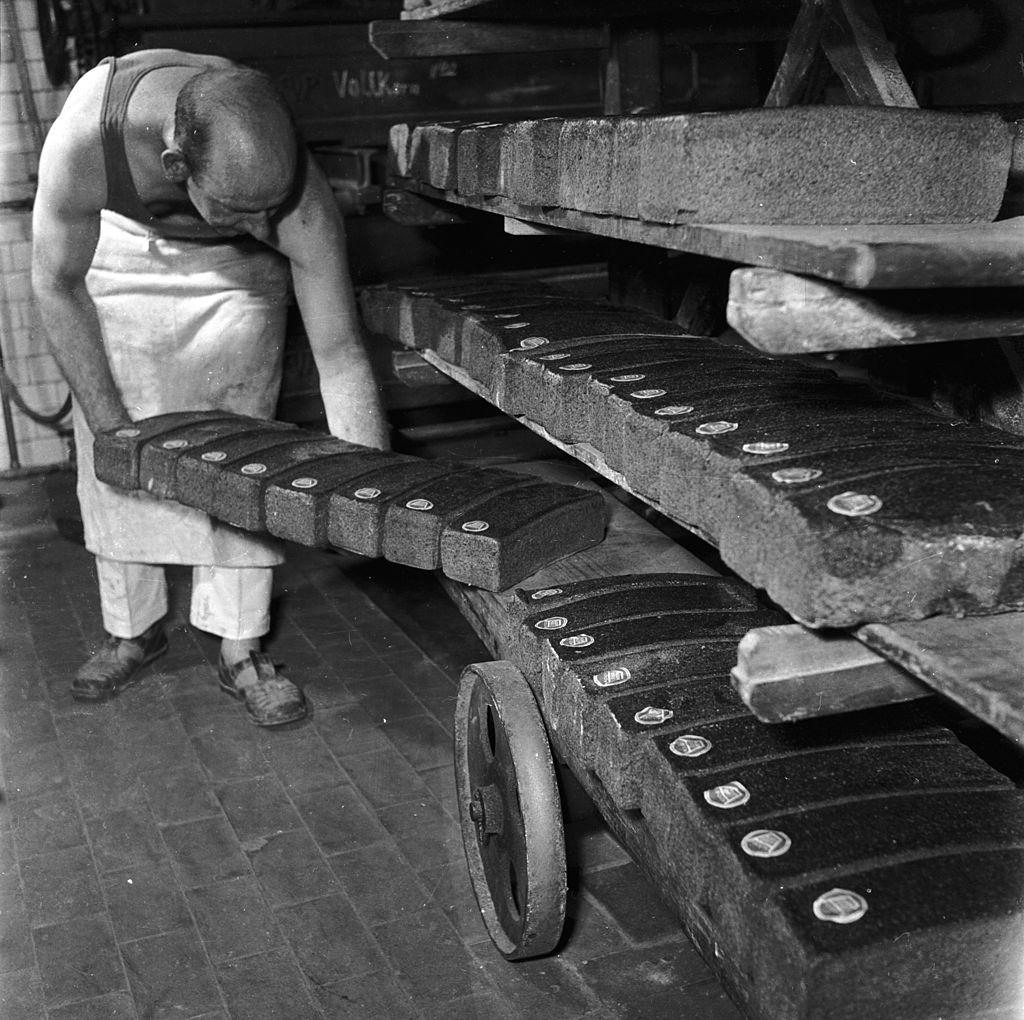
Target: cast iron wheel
{"type": "Point", "coordinates": [510, 810]}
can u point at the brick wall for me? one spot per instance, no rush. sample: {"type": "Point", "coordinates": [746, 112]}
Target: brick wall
{"type": "Point", "coordinates": [25, 356]}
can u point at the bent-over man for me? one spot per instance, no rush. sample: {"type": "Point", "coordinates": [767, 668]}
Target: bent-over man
{"type": "Point", "coordinates": [174, 202]}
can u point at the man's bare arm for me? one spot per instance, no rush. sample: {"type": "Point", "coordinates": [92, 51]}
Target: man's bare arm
{"type": "Point", "coordinates": [65, 230]}
{"type": "Point", "coordinates": [313, 237]}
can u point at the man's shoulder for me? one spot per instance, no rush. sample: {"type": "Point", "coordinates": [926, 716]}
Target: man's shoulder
{"type": "Point", "coordinates": [165, 57]}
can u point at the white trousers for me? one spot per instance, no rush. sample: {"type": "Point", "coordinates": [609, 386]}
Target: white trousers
{"type": "Point", "coordinates": [231, 602]}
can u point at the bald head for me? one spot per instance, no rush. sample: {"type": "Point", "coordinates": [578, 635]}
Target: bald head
{"type": "Point", "coordinates": [235, 133]}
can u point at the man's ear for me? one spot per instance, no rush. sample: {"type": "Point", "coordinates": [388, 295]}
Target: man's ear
{"type": "Point", "coordinates": [175, 167]}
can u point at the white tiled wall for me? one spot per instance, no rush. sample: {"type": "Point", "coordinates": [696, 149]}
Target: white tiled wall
{"type": "Point", "coordinates": [25, 357]}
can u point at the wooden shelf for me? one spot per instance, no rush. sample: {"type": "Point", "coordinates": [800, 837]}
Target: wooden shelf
{"type": "Point", "coordinates": [781, 313]}
{"type": "Point", "coordinates": [825, 569]}
{"type": "Point", "coordinates": [858, 256]}
{"type": "Point", "coordinates": [587, 10]}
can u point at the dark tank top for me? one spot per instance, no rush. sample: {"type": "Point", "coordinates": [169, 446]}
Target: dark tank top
{"type": "Point", "coordinates": [125, 74]}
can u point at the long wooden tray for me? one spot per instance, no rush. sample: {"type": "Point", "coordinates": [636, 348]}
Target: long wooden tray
{"type": "Point", "coordinates": [824, 869]}
{"type": "Point", "coordinates": [847, 506]}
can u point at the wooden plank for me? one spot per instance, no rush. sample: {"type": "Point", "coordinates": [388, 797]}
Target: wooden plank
{"type": "Point", "coordinates": [782, 313]}
{"type": "Point", "coordinates": [412, 210]}
{"type": "Point", "coordinates": [976, 662]}
{"type": "Point", "coordinates": [862, 256]}
{"type": "Point", "coordinates": [857, 47]}
{"type": "Point", "coordinates": [405, 39]}
{"type": "Point", "coordinates": [800, 74]}
{"type": "Point", "coordinates": [632, 71]}
{"type": "Point", "coordinates": [786, 673]}
{"type": "Point", "coordinates": [580, 10]}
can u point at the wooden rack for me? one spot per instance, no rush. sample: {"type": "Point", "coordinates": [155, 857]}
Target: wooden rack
{"type": "Point", "coordinates": [793, 289]}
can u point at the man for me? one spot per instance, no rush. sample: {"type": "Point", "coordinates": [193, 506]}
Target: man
{"type": "Point", "coordinates": [173, 200]}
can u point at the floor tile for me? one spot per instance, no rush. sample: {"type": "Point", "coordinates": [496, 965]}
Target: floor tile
{"type": "Point", "coordinates": [78, 960]}
{"type": "Point", "coordinates": [34, 769]}
{"type": "Point", "coordinates": [16, 952]}
{"type": "Point", "coordinates": [449, 973]}
{"type": "Point", "coordinates": [422, 741]}
{"type": "Point", "coordinates": [179, 795]}
{"type": "Point", "coordinates": [46, 823]}
{"type": "Point", "coordinates": [424, 832]}
{"type": "Point", "coordinates": [450, 890]}
{"type": "Point", "coordinates": [205, 851]}
{"type": "Point", "coordinates": [170, 975]}
{"type": "Point", "coordinates": [144, 902]}
{"type": "Point", "coordinates": [339, 820]}
{"type": "Point", "coordinates": [233, 919]}
{"type": "Point", "coordinates": [385, 698]}
{"type": "Point", "coordinates": [266, 987]}
{"type": "Point", "coordinates": [348, 731]}
{"type": "Point", "coordinates": [368, 997]}
{"type": "Point", "coordinates": [290, 867]}
{"type": "Point", "coordinates": [27, 726]}
{"type": "Point", "coordinates": [384, 777]}
{"type": "Point", "coordinates": [60, 886]}
{"type": "Point", "coordinates": [380, 883]}
{"type": "Point", "coordinates": [125, 839]}
{"type": "Point", "coordinates": [633, 903]}
{"type": "Point", "coordinates": [329, 940]}
{"type": "Point", "coordinates": [545, 986]}
{"type": "Point", "coordinates": [105, 786]}
{"type": "Point", "coordinates": [257, 807]}
{"type": "Point", "coordinates": [21, 996]}
{"type": "Point", "coordinates": [302, 762]}
{"type": "Point", "coordinates": [118, 1006]}
{"type": "Point", "coordinates": [654, 985]}
{"type": "Point", "coordinates": [231, 752]}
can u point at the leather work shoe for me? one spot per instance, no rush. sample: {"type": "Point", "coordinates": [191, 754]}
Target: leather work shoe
{"type": "Point", "coordinates": [118, 664]}
{"type": "Point", "coordinates": [270, 699]}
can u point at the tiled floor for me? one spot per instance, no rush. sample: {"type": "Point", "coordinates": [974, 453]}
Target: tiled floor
{"type": "Point", "coordinates": [161, 857]}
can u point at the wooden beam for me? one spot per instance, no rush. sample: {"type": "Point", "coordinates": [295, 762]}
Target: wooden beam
{"type": "Point", "coordinates": [863, 256]}
{"type": "Point", "coordinates": [412, 210]}
{"type": "Point", "coordinates": [782, 313]}
{"type": "Point", "coordinates": [524, 228]}
{"type": "Point", "coordinates": [978, 662]}
{"type": "Point", "coordinates": [399, 40]}
{"type": "Point", "coordinates": [787, 673]}
{"type": "Point", "coordinates": [857, 47]}
{"type": "Point", "coordinates": [802, 71]}
{"type": "Point", "coordinates": [632, 75]}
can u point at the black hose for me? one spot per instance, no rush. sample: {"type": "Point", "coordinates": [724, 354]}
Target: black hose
{"type": "Point", "coordinates": [10, 392]}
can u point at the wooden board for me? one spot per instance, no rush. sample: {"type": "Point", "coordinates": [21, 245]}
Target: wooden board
{"type": "Point", "coordinates": [581, 10]}
{"type": "Point", "coordinates": [786, 673]}
{"type": "Point", "coordinates": [782, 313]}
{"type": "Point", "coordinates": [405, 39]}
{"type": "Point", "coordinates": [859, 256]}
{"type": "Point", "coordinates": [978, 663]}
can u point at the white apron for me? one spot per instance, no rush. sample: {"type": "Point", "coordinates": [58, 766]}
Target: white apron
{"type": "Point", "coordinates": [188, 326]}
